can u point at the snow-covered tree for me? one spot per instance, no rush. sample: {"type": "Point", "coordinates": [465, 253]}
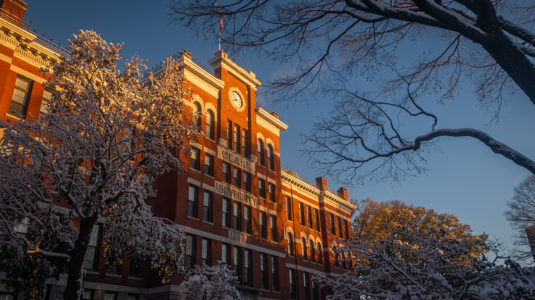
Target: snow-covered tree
{"type": "Point", "coordinates": [91, 160]}
{"type": "Point", "coordinates": [521, 214]}
{"type": "Point", "coordinates": [375, 221]}
{"type": "Point", "coordinates": [210, 282]}
{"type": "Point", "coordinates": [404, 264]}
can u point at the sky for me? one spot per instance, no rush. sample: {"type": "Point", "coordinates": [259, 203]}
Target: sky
{"type": "Point", "coordinates": [464, 178]}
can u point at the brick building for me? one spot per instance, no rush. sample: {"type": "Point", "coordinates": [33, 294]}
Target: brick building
{"type": "Point", "coordinates": [235, 201]}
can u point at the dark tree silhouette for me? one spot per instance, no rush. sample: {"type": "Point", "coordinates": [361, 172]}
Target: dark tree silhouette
{"type": "Point", "coordinates": [489, 43]}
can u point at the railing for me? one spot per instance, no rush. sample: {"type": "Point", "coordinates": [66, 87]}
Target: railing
{"type": "Point", "coordinates": [308, 180]}
{"type": "Point", "coordinates": [39, 39]}
{"type": "Point", "coordinates": [299, 176]}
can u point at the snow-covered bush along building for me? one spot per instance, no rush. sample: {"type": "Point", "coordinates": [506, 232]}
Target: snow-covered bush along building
{"type": "Point", "coordinates": [234, 201]}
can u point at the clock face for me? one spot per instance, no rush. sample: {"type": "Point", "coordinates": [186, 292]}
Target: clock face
{"type": "Point", "coordinates": [236, 99]}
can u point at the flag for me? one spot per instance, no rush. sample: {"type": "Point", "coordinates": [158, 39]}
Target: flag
{"type": "Point", "coordinates": [221, 26]}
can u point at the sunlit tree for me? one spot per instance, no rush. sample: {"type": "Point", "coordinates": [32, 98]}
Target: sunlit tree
{"type": "Point", "coordinates": [92, 160]}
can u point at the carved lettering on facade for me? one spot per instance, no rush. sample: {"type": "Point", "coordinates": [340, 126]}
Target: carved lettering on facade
{"type": "Point", "coordinates": [235, 194]}
{"type": "Point", "coordinates": [237, 236]}
{"type": "Point", "coordinates": [236, 160]}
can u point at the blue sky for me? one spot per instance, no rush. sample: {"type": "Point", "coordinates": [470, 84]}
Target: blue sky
{"type": "Point", "coordinates": [464, 178]}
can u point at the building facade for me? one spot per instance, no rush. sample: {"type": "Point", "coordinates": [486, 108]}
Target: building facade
{"type": "Point", "coordinates": [234, 200]}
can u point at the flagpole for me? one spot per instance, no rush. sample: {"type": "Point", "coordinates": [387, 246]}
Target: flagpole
{"type": "Point", "coordinates": [220, 32]}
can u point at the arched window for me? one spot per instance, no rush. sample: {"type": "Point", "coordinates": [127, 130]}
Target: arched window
{"type": "Point", "coordinates": [320, 254]}
{"type": "Point", "coordinates": [196, 114]}
{"type": "Point", "coordinates": [271, 157]}
{"type": "Point", "coordinates": [290, 244]}
{"type": "Point", "coordinates": [210, 125]}
{"type": "Point", "coordinates": [312, 252]}
{"type": "Point", "coordinates": [261, 159]}
{"type": "Point", "coordinates": [304, 248]}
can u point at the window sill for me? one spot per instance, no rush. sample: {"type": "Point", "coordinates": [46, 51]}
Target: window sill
{"type": "Point", "coordinates": [193, 218]}
{"type": "Point", "coordinates": [14, 117]}
{"type": "Point", "coordinates": [114, 275]}
{"type": "Point", "coordinates": [207, 222]}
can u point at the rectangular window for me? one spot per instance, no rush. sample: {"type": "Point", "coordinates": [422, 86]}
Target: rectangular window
{"type": "Point", "coordinates": [229, 134]}
{"type": "Point", "coordinates": [110, 296]}
{"type": "Point", "coordinates": [333, 228]}
{"type": "Point", "coordinates": [289, 215]}
{"type": "Point", "coordinates": [236, 215]}
{"type": "Point", "coordinates": [309, 216]}
{"type": "Point", "coordinates": [301, 214]}
{"type": "Point", "coordinates": [262, 188]}
{"type": "Point", "coordinates": [225, 212]}
{"type": "Point", "coordinates": [273, 227]}
{"type": "Point", "coordinates": [194, 161]}
{"type": "Point", "coordinates": [262, 223]}
{"type": "Point", "coordinates": [340, 232]}
{"type": "Point", "coordinates": [189, 260]}
{"type": "Point", "coordinates": [244, 142]}
{"type": "Point", "coordinates": [207, 207]}
{"type": "Point", "coordinates": [87, 295]}
{"type": "Point", "coordinates": [192, 201]}
{"type": "Point", "coordinates": [247, 222]}
{"type": "Point", "coordinates": [209, 164]}
{"type": "Point", "coordinates": [238, 263]}
{"type": "Point", "coordinates": [247, 267]}
{"type": "Point", "coordinates": [271, 192]}
{"type": "Point", "coordinates": [92, 253]}
{"type": "Point", "coordinates": [236, 138]}
{"type": "Point", "coordinates": [136, 269]}
{"type": "Point", "coordinates": [274, 273]}
{"type": "Point", "coordinates": [206, 252]}
{"type": "Point", "coordinates": [315, 290]}
{"type": "Point", "coordinates": [247, 181]}
{"type": "Point", "coordinates": [317, 219]}
{"type": "Point", "coordinates": [346, 228]}
{"type": "Point", "coordinates": [21, 96]}
{"type": "Point", "coordinates": [226, 173]}
{"type": "Point", "coordinates": [264, 271]}
{"type": "Point", "coordinates": [47, 95]}
{"type": "Point", "coordinates": [236, 175]}
{"type": "Point", "coordinates": [306, 285]}
{"type": "Point", "coordinates": [225, 253]}
{"type": "Point", "coordinates": [293, 287]}
{"type": "Point", "coordinates": [114, 268]}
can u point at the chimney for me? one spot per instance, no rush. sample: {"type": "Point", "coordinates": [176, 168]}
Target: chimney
{"type": "Point", "coordinates": [321, 183]}
{"type": "Point", "coordinates": [15, 10]}
{"type": "Point", "coordinates": [276, 115]}
{"type": "Point", "coordinates": [186, 54]}
{"type": "Point", "coordinates": [342, 192]}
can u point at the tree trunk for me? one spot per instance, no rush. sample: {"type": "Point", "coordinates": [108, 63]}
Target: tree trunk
{"type": "Point", "coordinates": [513, 61]}
{"type": "Point", "coordinates": [74, 274]}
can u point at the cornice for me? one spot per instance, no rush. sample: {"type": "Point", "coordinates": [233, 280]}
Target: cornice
{"type": "Point", "coordinates": [202, 73]}
{"type": "Point", "coordinates": [300, 183]}
{"type": "Point", "coordinates": [337, 201]}
{"type": "Point", "coordinates": [260, 112]}
{"type": "Point", "coordinates": [25, 45]}
{"type": "Point", "coordinates": [323, 196]}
